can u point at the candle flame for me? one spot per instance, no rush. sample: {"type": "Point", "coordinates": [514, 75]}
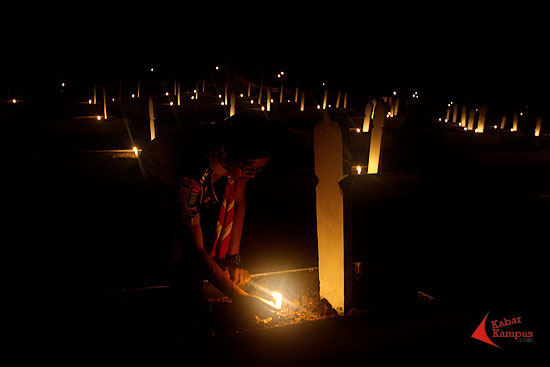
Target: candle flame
{"type": "Point", "coordinates": [278, 299]}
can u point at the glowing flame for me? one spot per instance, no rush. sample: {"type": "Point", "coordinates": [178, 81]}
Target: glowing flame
{"type": "Point", "coordinates": [135, 149]}
{"type": "Point", "coordinates": [358, 168]}
{"type": "Point", "coordinates": [278, 297]}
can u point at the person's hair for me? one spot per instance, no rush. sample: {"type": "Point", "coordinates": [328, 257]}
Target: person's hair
{"type": "Point", "coordinates": [245, 135]}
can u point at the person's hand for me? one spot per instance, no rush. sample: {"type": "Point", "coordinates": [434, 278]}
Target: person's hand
{"type": "Point", "coordinates": [239, 276]}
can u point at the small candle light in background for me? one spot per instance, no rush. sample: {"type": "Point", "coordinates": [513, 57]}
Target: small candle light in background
{"type": "Point", "coordinates": [521, 113]}
{"type": "Point", "coordinates": [171, 103]}
{"type": "Point", "coordinates": [219, 96]}
{"type": "Point", "coordinates": [263, 108]}
{"type": "Point", "coordinates": [135, 149]}
{"type": "Point", "coordinates": [113, 99]}
{"type": "Point", "coordinates": [63, 84]}
{"type": "Point", "coordinates": [222, 103]}
{"type": "Point", "coordinates": [465, 128]}
{"type": "Point", "coordinates": [14, 100]}
{"type": "Point", "coordinates": [133, 95]}
{"type": "Point", "coordinates": [251, 101]}
{"type": "Point", "coordinates": [318, 107]}
{"type": "Point", "coordinates": [98, 118]}
{"type": "Point", "coordinates": [192, 97]}
{"type": "Point", "coordinates": [446, 120]}
{"type": "Point", "coordinates": [282, 73]}
{"type": "Point", "coordinates": [358, 130]}
{"type": "Point", "coordinates": [394, 93]}
{"type": "Point", "coordinates": [152, 69]}
{"type": "Point", "coordinates": [241, 95]}
{"type": "Point", "coordinates": [167, 93]}
{"type": "Point", "coordinates": [89, 101]}
{"type": "Point", "coordinates": [358, 170]}
{"type": "Point", "coordinates": [271, 100]}
{"type": "Point", "coordinates": [278, 75]}
{"type": "Point", "coordinates": [217, 68]}
{"type": "Point", "coordinates": [495, 127]}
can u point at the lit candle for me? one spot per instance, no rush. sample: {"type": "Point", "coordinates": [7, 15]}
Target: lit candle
{"type": "Point", "coordinates": [135, 149]}
{"type": "Point", "coordinates": [14, 100]}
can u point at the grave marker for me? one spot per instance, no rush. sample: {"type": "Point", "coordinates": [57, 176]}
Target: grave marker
{"type": "Point", "coordinates": [334, 253]}
{"type": "Point", "coordinates": [481, 119]}
{"type": "Point", "coordinates": [376, 138]}
{"type": "Point", "coordinates": [471, 118]}
{"type": "Point", "coordinates": [367, 118]}
{"type": "Point", "coordinates": [515, 122]}
{"type": "Point", "coordinates": [537, 128]}
{"type": "Point", "coordinates": [151, 118]}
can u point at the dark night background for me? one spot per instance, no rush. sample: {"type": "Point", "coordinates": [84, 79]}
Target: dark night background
{"type": "Point", "coordinates": [478, 56]}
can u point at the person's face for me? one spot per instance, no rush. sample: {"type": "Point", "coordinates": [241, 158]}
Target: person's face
{"type": "Point", "coordinates": [245, 168]}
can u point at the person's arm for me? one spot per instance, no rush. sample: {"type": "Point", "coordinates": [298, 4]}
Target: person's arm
{"type": "Point", "coordinates": [238, 274]}
{"type": "Point", "coordinates": [247, 303]}
{"type": "Point", "coordinates": [212, 270]}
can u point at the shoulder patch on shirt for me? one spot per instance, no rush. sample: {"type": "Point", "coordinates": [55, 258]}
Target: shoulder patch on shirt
{"type": "Point", "coordinates": [189, 197]}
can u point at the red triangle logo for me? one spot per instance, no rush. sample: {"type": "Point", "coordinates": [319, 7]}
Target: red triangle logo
{"type": "Point", "coordinates": [481, 334]}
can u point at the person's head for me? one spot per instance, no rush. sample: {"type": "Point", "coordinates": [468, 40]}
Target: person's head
{"type": "Point", "coordinates": [245, 142]}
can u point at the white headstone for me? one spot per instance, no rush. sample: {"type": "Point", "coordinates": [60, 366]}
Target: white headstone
{"type": "Point", "coordinates": [481, 119]}
{"type": "Point", "coordinates": [367, 118]}
{"type": "Point", "coordinates": [334, 258]}
{"type": "Point", "coordinates": [232, 102]}
{"type": "Point", "coordinates": [455, 113]}
{"type": "Point", "coordinates": [538, 127]}
{"type": "Point", "coordinates": [471, 118]}
{"type": "Point", "coordinates": [104, 104]}
{"type": "Point", "coordinates": [515, 122]}
{"type": "Point", "coordinates": [463, 116]}
{"type": "Point", "coordinates": [375, 149]}
{"type": "Point", "coordinates": [151, 118]}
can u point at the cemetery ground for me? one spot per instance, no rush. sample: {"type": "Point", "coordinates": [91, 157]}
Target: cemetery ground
{"type": "Point", "coordinates": [444, 233]}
